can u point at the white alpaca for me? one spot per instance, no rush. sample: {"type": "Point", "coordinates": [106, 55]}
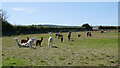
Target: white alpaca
{"type": "Point", "coordinates": [50, 40]}
{"type": "Point", "coordinates": [27, 44]}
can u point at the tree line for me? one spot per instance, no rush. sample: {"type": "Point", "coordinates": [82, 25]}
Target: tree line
{"type": "Point", "coordinates": [109, 27]}
{"type": "Point", "coordinates": [8, 29]}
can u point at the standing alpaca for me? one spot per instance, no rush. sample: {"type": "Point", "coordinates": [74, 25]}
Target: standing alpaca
{"type": "Point", "coordinates": [62, 38]}
{"type": "Point", "coordinates": [50, 40]}
{"type": "Point", "coordinates": [39, 41]}
{"type": "Point", "coordinates": [69, 35]}
{"type": "Point", "coordinates": [24, 40]}
{"type": "Point", "coordinates": [27, 44]}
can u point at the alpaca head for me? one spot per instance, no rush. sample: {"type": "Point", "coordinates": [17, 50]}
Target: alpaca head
{"type": "Point", "coordinates": [49, 33]}
{"type": "Point", "coordinates": [15, 38]}
{"type": "Point", "coordinates": [69, 32]}
{"type": "Point", "coordinates": [27, 38]}
{"type": "Point", "coordinates": [41, 38]}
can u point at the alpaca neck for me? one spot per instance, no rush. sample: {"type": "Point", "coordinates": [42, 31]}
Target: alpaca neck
{"type": "Point", "coordinates": [18, 43]}
{"type": "Point", "coordinates": [41, 40]}
{"type": "Point", "coordinates": [49, 34]}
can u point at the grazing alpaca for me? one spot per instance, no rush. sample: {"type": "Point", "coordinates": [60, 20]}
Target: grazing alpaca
{"type": "Point", "coordinates": [61, 38]}
{"type": "Point", "coordinates": [50, 40]}
{"type": "Point", "coordinates": [79, 35]}
{"type": "Point", "coordinates": [59, 35]}
{"type": "Point", "coordinates": [89, 34]}
{"type": "Point", "coordinates": [27, 44]}
{"type": "Point", "coordinates": [39, 41]}
{"type": "Point", "coordinates": [103, 31]}
{"type": "Point", "coordinates": [56, 35]}
{"type": "Point", "coordinates": [69, 35]}
{"type": "Point", "coordinates": [24, 40]}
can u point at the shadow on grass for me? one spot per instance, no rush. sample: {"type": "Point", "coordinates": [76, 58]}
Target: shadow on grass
{"type": "Point", "coordinates": [54, 47]}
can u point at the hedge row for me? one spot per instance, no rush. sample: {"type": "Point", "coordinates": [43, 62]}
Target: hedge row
{"type": "Point", "coordinates": [8, 29]}
{"type": "Point", "coordinates": [109, 27]}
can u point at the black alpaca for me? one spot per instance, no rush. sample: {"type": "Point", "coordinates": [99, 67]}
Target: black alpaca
{"type": "Point", "coordinates": [62, 38]}
{"type": "Point", "coordinates": [79, 35]}
{"type": "Point", "coordinates": [59, 35]}
{"type": "Point", "coordinates": [39, 41]}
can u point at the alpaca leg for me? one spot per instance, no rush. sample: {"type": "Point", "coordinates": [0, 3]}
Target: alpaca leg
{"type": "Point", "coordinates": [40, 43]}
{"type": "Point", "coordinates": [30, 44]}
{"type": "Point", "coordinates": [36, 43]}
{"type": "Point", "coordinates": [68, 39]}
{"type": "Point", "coordinates": [49, 44]}
{"type": "Point", "coordinates": [55, 36]}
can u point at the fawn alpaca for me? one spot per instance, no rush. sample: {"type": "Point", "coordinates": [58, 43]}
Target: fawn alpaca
{"type": "Point", "coordinates": [24, 40]}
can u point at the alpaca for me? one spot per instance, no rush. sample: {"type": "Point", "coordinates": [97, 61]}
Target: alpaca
{"type": "Point", "coordinates": [89, 34]}
{"type": "Point", "coordinates": [27, 44]}
{"type": "Point", "coordinates": [79, 35]}
{"type": "Point", "coordinates": [69, 35]}
{"type": "Point", "coordinates": [62, 38]}
{"type": "Point", "coordinates": [50, 40]}
{"type": "Point", "coordinates": [103, 31]}
{"type": "Point", "coordinates": [59, 35]}
{"type": "Point", "coordinates": [39, 41]}
{"type": "Point", "coordinates": [24, 40]}
{"type": "Point", "coordinates": [56, 35]}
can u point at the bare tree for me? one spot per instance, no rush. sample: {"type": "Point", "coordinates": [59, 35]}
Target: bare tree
{"type": "Point", "coordinates": [3, 15]}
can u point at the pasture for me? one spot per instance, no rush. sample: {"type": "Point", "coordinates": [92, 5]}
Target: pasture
{"type": "Point", "coordinates": [99, 50]}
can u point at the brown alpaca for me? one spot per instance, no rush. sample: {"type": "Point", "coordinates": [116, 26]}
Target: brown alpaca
{"type": "Point", "coordinates": [24, 40]}
{"type": "Point", "coordinates": [62, 38]}
{"type": "Point", "coordinates": [69, 35]}
{"type": "Point", "coordinates": [39, 41]}
{"type": "Point", "coordinates": [79, 35]}
{"type": "Point", "coordinates": [89, 34]}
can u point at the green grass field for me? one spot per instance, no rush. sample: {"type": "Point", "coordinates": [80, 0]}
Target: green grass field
{"type": "Point", "coordinates": [99, 50]}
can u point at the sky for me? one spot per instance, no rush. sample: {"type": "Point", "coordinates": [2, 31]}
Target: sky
{"type": "Point", "coordinates": [62, 13]}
